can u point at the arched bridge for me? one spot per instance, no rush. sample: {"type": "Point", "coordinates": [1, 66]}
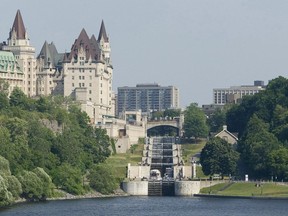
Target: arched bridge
{"type": "Point", "coordinates": [176, 123]}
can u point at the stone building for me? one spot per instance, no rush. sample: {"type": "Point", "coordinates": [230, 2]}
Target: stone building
{"type": "Point", "coordinates": [10, 70]}
{"type": "Point", "coordinates": [19, 44]}
{"type": "Point", "coordinates": [88, 74]}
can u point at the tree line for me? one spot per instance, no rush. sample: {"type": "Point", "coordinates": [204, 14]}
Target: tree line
{"type": "Point", "coordinates": [261, 121]}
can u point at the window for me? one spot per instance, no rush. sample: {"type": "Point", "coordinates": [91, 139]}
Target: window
{"type": "Point", "coordinates": [90, 92]}
{"type": "Point", "coordinates": [79, 77]}
{"type": "Point", "coordinates": [72, 84]}
{"type": "Point", "coordinates": [72, 77]}
{"type": "Point", "coordinates": [83, 77]}
{"type": "Point", "coordinates": [90, 77]}
{"type": "Point", "coordinates": [90, 84]}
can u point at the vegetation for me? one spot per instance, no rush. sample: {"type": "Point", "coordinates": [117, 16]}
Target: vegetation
{"type": "Point", "coordinates": [218, 157]}
{"type": "Point", "coordinates": [261, 121]}
{"type": "Point", "coordinates": [195, 122]}
{"type": "Point", "coordinates": [46, 143]}
{"type": "Point", "coordinates": [247, 189]}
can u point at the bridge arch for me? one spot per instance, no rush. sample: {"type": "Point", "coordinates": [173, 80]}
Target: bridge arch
{"type": "Point", "coordinates": [163, 130]}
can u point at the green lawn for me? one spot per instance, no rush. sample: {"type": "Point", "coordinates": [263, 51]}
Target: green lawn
{"type": "Point", "coordinates": [189, 150]}
{"type": "Point", "coordinates": [248, 189]}
{"type": "Point", "coordinates": [120, 161]}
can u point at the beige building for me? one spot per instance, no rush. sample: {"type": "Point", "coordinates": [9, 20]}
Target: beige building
{"type": "Point", "coordinates": [88, 74]}
{"type": "Point", "coordinates": [19, 44]}
{"type": "Point", "coordinates": [227, 136]}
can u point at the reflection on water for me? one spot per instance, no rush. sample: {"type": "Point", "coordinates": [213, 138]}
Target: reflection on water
{"type": "Point", "coordinates": [151, 206]}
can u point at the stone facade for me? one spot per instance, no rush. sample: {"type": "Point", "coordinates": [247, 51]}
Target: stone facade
{"type": "Point", "coordinates": [85, 74]}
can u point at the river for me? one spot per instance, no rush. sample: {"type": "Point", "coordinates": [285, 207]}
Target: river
{"type": "Point", "coordinates": [145, 205]}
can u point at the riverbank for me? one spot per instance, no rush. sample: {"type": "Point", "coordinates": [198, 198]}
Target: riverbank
{"type": "Point", "coordinates": [94, 194]}
{"type": "Point", "coordinates": [239, 197]}
{"type": "Point", "coordinates": [247, 190]}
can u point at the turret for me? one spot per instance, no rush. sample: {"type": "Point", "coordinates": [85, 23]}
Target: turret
{"type": "Point", "coordinates": [18, 35]}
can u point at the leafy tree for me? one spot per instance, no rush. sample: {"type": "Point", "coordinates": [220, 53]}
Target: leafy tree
{"type": "Point", "coordinates": [218, 157]}
{"type": "Point", "coordinates": [32, 186]}
{"type": "Point", "coordinates": [18, 98]}
{"type": "Point", "coordinates": [68, 178]}
{"type": "Point", "coordinates": [47, 184]}
{"type": "Point", "coordinates": [97, 145]}
{"type": "Point", "coordinates": [217, 120]}
{"type": "Point", "coordinates": [255, 146]}
{"type": "Point", "coordinates": [278, 163]}
{"type": "Point", "coordinates": [6, 197]}
{"type": "Point", "coordinates": [4, 101]}
{"type": "Point", "coordinates": [195, 122]}
{"type": "Point", "coordinates": [102, 180]}
{"type": "Point", "coordinates": [4, 166]}
{"type": "Point", "coordinates": [172, 113]}
{"type": "Point", "coordinates": [13, 186]}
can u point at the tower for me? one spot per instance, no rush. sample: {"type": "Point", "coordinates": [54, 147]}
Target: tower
{"type": "Point", "coordinates": [19, 44]}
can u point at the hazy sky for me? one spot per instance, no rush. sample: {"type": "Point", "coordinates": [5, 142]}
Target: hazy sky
{"type": "Point", "coordinates": [196, 45]}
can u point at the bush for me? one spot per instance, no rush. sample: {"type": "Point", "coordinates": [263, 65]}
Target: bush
{"type": "Point", "coordinates": [69, 179]}
{"type": "Point", "coordinates": [102, 180]}
{"type": "Point", "coordinates": [32, 186]}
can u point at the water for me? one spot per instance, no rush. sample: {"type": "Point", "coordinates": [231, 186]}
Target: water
{"type": "Point", "coordinates": [151, 206]}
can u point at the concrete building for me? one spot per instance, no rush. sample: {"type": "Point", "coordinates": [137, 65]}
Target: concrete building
{"type": "Point", "coordinates": [19, 44]}
{"type": "Point", "coordinates": [147, 97]}
{"type": "Point", "coordinates": [234, 94]}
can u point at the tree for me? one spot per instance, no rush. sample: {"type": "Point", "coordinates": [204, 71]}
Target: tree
{"type": "Point", "coordinates": [102, 180]}
{"type": "Point", "coordinates": [218, 157]}
{"type": "Point", "coordinates": [32, 186]}
{"type": "Point", "coordinates": [6, 197]}
{"type": "Point", "coordinates": [46, 182]}
{"type": "Point", "coordinates": [217, 120]}
{"type": "Point", "coordinates": [68, 178]}
{"type": "Point", "coordinates": [255, 145]}
{"type": "Point", "coordinates": [195, 122]}
{"type": "Point", "coordinates": [278, 163]}
{"type": "Point", "coordinates": [18, 98]}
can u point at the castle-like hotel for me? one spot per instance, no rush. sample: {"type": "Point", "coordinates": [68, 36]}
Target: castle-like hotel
{"type": "Point", "coordinates": [85, 73]}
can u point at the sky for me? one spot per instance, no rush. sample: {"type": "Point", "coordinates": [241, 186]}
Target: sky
{"type": "Point", "coordinates": [195, 45]}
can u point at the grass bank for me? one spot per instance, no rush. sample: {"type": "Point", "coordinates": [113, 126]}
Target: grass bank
{"type": "Point", "coordinates": [248, 189]}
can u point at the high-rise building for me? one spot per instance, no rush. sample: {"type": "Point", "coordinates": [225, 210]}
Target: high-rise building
{"type": "Point", "coordinates": [234, 94]}
{"type": "Point", "coordinates": [19, 44]}
{"type": "Point", "coordinates": [147, 97]}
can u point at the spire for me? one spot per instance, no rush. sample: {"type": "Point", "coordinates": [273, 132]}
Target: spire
{"type": "Point", "coordinates": [83, 43]}
{"type": "Point", "coordinates": [18, 27]}
{"type": "Point", "coordinates": [102, 33]}
{"type": "Point", "coordinates": [45, 54]}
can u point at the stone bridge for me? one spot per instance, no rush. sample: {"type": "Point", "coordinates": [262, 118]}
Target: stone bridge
{"type": "Point", "coordinates": [176, 123]}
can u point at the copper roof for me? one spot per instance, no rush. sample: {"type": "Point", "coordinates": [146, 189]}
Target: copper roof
{"type": "Point", "coordinates": [18, 27]}
{"type": "Point", "coordinates": [102, 33]}
{"type": "Point", "coordinates": [89, 46]}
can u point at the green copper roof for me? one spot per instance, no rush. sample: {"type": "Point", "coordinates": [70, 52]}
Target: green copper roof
{"type": "Point", "coordinates": [8, 63]}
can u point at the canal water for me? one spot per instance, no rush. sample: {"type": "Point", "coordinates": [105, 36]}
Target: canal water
{"type": "Point", "coordinates": [151, 206]}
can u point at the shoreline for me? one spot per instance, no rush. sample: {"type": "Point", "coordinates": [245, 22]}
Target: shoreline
{"type": "Point", "coordinates": [239, 197]}
{"type": "Point", "coordinates": [95, 194]}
